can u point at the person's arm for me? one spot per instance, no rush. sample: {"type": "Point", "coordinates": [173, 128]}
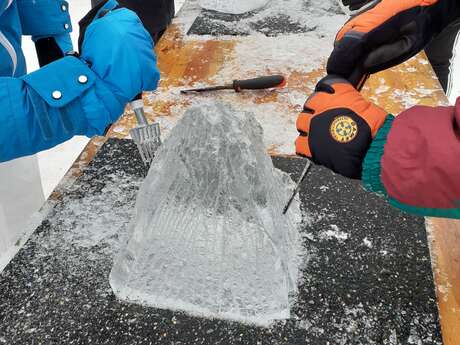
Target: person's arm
{"type": "Point", "coordinates": [414, 161]}
{"type": "Point", "coordinates": [389, 33]}
{"type": "Point", "coordinates": [48, 22]}
{"type": "Point", "coordinates": [411, 160]}
{"type": "Point", "coordinates": [73, 95]}
{"type": "Point", "coordinates": [51, 105]}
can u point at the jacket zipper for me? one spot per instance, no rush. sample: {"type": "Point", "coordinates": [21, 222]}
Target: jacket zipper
{"type": "Point", "coordinates": [10, 49]}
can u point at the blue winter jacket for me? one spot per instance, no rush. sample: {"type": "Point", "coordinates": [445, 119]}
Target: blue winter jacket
{"type": "Point", "coordinates": [70, 96]}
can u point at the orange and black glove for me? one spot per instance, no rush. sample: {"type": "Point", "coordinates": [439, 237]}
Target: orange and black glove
{"type": "Point", "coordinates": [337, 126]}
{"type": "Point", "coordinates": [388, 33]}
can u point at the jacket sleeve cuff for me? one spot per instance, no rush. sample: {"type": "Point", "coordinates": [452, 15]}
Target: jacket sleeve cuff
{"type": "Point", "coordinates": [371, 177]}
{"type": "Point", "coordinates": [68, 83]}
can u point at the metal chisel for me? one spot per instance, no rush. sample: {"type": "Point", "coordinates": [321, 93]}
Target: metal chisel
{"type": "Point", "coordinates": [299, 183]}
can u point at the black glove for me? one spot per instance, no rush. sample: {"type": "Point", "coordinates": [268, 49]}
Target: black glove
{"type": "Point", "coordinates": [389, 33]}
{"type": "Point", "coordinates": [47, 51]}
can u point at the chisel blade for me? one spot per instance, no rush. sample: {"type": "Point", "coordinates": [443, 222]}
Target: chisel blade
{"type": "Point", "coordinates": [299, 183]}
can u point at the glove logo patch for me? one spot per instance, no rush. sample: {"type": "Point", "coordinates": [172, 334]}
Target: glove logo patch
{"type": "Point", "coordinates": [344, 129]}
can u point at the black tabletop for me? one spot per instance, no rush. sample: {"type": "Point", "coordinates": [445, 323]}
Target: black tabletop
{"type": "Point", "coordinates": [367, 277]}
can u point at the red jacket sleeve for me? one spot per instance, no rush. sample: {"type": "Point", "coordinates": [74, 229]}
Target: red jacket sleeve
{"type": "Point", "coordinates": [419, 161]}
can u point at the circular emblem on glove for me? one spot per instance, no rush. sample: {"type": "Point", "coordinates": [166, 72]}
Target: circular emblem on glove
{"type": "Point", "coordinates": [344, 129]}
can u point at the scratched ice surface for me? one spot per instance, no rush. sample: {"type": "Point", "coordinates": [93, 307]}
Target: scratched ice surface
{"type": "Point", "coordinates": [209, 237]}
{"type": "Point", "coordinates": [232, 6]}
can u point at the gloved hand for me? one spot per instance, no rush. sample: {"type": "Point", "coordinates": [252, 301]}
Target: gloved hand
{"type": "Point", "coordinates": [388, 33]}
{"type": "Point", "coordinates": [119, 50]}
{"type": "Point", "coordinates": [337, 126]}
{"type": "Point", "coordinates": [50, 49]}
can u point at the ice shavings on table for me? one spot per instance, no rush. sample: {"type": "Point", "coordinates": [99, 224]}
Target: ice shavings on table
{"type": "Point", "coordinates": [209, 237]}
{"type": "Point", "coordinates": [257, 55]}
{"type": "Point", "coordinates": [233, 6]}
{"type": "Point", "coordinates": [277, 17]}
{"type": "Point", "coordinates": [298, 56]}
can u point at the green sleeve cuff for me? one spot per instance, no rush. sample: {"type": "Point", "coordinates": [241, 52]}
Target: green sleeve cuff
{"type": "Point", "coordinates": [372, 168]}
{"type": "Point", "coordinates": [372, 181]}
{"type": "Point", "coordinates": [453, 213]}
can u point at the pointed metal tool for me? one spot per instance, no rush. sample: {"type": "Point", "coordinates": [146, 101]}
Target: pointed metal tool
{"type": "Point", "coordinates": [145, 135]}
{"type": "Point", "coordinates": [299, 183]}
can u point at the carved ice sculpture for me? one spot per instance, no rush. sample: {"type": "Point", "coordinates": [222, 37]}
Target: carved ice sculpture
{"type": "Point", "coordinates": [209, 237]}
{"type": "Point", "coordinates": [233, 6]}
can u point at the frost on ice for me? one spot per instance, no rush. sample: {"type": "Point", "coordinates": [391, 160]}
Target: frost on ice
{"type": "Point", "coordinates": [209, 237]}
{"type": "Point", "coordinates": [233, 6]}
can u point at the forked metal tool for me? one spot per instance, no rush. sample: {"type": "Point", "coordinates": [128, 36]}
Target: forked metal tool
{"type": "Point", "coordinates": [146, 136]}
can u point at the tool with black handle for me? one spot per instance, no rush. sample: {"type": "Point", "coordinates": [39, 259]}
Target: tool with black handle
{"type": "Point", "coordinates": [261, 83]}
{"type": "Point", "coordinates": [357, 79]}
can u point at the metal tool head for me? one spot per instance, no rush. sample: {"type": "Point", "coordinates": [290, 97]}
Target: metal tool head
{"type": "Point", "coordinates": [146, 136]}
{"type": "Point", "coordinates": [147, 139]}
{"type": "Point", "coordinates": [297, 187]}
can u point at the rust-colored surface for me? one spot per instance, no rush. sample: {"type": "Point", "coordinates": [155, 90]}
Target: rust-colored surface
{"type": "Point", "coordinates": [411, 83]}
{"type": "Point", "coordinates": [185, 62]}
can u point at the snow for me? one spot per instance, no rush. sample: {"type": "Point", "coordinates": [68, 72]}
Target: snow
{"type": "Point", "coordinates": [334, 234]}
{"type": "Point", "coordinates": [254, 53]}
{"type": "Point", "coordinates": [306, 51]}
{"type": "Point", "coordinates": [209, 237]}
{"type": "Point", "coordinates": [233, 6]}
{"type": "Point", "coordinates": [367, 242]}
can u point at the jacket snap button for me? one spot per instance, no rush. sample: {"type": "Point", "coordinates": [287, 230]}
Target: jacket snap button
{"type": "Point", "coordinates": [63, 8]}
{"type": "Point", "coordinates": [83, 79]}
{"type": "Point", "coordinates": [56, 95]}
{"type": "Point", "coordinates": [66, 26]}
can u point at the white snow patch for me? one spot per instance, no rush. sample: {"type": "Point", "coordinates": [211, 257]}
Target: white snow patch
{"type": "Point", "coordinates": [324, 188]}
{"type": "Point", "coordinates": [233, 6]}
{"type": "Point", "coordinates": [258, 54]}
{"type": "Point", "coordinates": [334, 234]}
{"type": "Point", "coordinates": [99, 218]}
{"type": "Point", "coordinates": [367, 242]}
